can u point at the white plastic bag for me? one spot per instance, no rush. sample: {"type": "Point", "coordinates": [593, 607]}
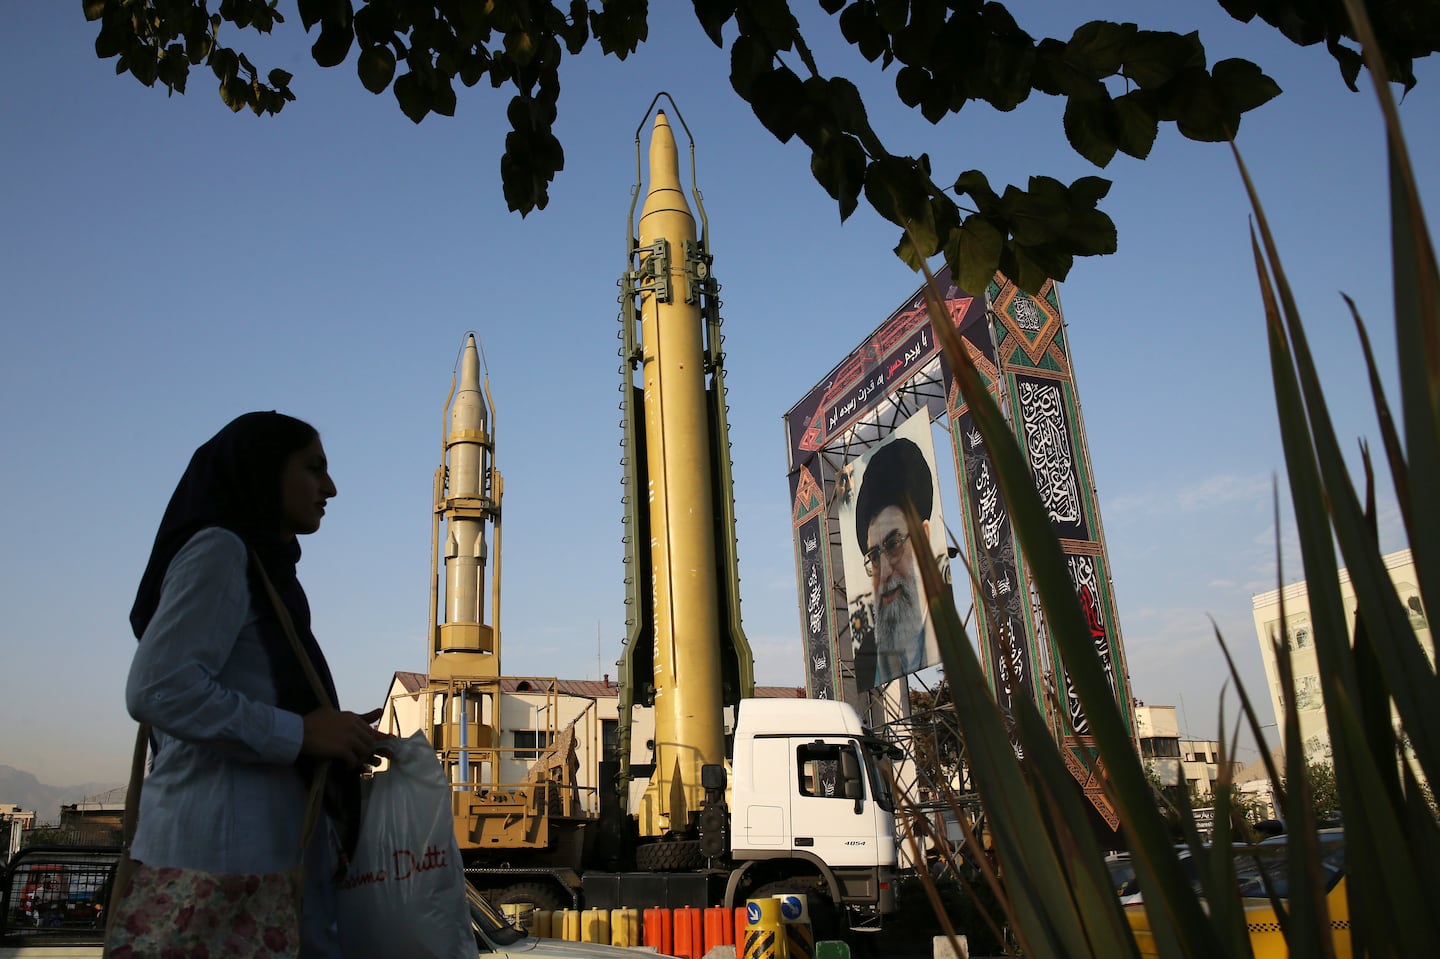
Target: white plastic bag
{"type": "Point", "coordinates": [403, 896]}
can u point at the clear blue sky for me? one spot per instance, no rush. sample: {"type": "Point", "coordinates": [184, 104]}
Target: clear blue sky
{"type": "Point", "coordinates": [165, 265]}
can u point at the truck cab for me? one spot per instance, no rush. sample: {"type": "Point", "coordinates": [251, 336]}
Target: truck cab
{"type": "Point", "coordinates": [811, 797]}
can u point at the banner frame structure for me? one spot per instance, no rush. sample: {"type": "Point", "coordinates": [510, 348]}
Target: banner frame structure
{"type": "Point", "coordinates": [1018, 344]}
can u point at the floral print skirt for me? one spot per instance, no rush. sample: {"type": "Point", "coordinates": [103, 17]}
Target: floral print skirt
{"type": "Point", "coordinates": [168, 913]}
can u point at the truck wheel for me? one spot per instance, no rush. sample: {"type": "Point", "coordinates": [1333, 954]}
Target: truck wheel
{"type": "Point", "coordinates": [827, 921]}
{"type": "Point", "coordinates": [542, 895]}
{"type": "Point", "coordinates": [669, 856]}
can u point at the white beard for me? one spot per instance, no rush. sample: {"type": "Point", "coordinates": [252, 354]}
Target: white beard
{"type": "Point", "coordinates": [898, 622]}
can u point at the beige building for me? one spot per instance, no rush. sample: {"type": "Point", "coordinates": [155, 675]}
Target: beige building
{"type": "Point", "coordinates": [1175, 760]}
{"type": "Point", "coordinates": [1299, 637]}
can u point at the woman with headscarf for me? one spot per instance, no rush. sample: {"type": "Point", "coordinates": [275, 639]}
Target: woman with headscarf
{"type": "Point", "coordinates": [238, 731]}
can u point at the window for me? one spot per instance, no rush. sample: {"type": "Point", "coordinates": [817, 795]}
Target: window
{"type": "Point", "coordinates": [1160, 747]}
{"type": "Point", "coordinates": [529, 743]}
{"type": "Point", "coordinates": [819, 768]}
{"type": "Point", "coordinates": [610, 739]}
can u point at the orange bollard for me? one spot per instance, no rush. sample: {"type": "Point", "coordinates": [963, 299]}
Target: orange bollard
{"type": "Point", "coordinates": [719, 928]}
{"type": "Point", "coordinates": [742, 919]}
{"type": "Point", "coordinates": [689, 933]}
{"type": "Point", "coordinates": [659, 931]}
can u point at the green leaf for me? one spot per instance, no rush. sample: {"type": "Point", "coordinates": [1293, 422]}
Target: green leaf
{"type": "Point", "coordinates": [1089, 233]}
{"type": "Point", "coordinates": [839, 166]}
{"type": "Point", "coordinates": [1135, 123]}
{"type": "Point", "coordinates": [1089, 129]}
{"type": "Point", "coordinates": [713, 15]}
{"type": "Point", "coordinates": [1200, 111]}
{"type": "Point", "coordinates": [897, 190]}
{"type": "Point", "coordinates": [977, 252]}
{"type": "Point", "coordinates": [860, 27]}
{"type": "Point", "coordinates": [1088, 191]}
{"type": "Point", "coordinates": [94, 9]}
{"type": "Point", "coordinates": [1037, 215]}
{"type": "Point", "coordinates": [333, 45]}
{"type": "Point", "coordinates": [1153, 57]}
{"type": "Point", "coordinates": [973, 183]}
{"type": "Point", "coordinates": [911, 85]}
{"type": "Point", "coordinates": [1050, 73]}
{"type": "Point", "coordinates": [413, 98]}
{"type": "Point", "coordinates": [376, 67]}
{"type": "Point", "coordinates": [1243, 86]}
{"type": "Point", "coordinates": [234, 93]}
{"type": "Point", "coordinates": [442, 97]}
{"type": "Point", "coordinates": [1097, 48]}
{"type": "Point", "coordinates": [772, 22]}
{"type": "Point", "coordinates": [776, 100]}
{"type": "Point", "coordinates": [279, 78]}
{"type": "Point", "coordinates": [846, 104]}
{"type": "Point", "coordinates": [312, 11]}
{"type": "Point", "coordinates": [749, 61]}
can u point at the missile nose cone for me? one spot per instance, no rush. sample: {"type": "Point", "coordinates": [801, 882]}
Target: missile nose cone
{"type": "Point", "coordinates": [469, 396]}
{"type": "Point", "coordinates": [665, 194]}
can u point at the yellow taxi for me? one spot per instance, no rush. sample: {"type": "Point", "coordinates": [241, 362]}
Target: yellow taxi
{"type": "Point", "coordinates": [1266, 939]}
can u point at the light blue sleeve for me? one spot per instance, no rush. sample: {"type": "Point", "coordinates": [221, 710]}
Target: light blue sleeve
{"type": "Point", "coordinates": [175, 678]}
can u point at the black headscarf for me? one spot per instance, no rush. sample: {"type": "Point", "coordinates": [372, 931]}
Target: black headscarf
{"type": "Point", "coordinates": [234, 482]}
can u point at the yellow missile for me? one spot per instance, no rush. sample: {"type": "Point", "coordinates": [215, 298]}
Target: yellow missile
{"type": "Point", "coordinates": [689, 721]}
{"type": "Point", "coordinates": [467, 495]}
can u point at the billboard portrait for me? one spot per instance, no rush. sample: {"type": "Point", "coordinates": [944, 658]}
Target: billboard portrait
{"type": "Point", "coordinates": [889, 619]}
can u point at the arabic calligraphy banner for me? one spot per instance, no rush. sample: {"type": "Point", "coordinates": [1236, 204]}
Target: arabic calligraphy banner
{"type": "Point", "coordinates": [808, 517]}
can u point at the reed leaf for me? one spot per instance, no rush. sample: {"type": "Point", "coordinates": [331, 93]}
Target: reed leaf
{"type": "Point", "coordinates": [1178, 922]}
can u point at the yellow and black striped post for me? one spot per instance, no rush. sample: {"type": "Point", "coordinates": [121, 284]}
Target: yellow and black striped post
{"type": "Point", "coordinates": [795, 920]}
{"type": "Point", "coordinates": [764, 935]}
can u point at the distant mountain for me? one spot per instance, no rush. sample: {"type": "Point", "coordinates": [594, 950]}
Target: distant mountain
{"type": "Point", "coordinates": [27, 792]}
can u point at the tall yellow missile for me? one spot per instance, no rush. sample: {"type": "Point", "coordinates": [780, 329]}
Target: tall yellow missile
{"type": "Point", "coordinates": [467, 497]}
{"type": "Point", "coordinates": [689, 723]}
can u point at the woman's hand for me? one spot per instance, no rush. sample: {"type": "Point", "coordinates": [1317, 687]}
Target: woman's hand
{"type": "Point", "coordinates": [347, 737]}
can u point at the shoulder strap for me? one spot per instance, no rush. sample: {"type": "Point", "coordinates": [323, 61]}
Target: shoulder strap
{"type": "Point", "coordinates": [322, 769]}
{"type": "Point", "coordinates": [288, 626]}
{"type": "Point", "coordinates": [132, 792]}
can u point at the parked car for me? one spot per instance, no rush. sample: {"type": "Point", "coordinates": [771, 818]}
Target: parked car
{"type": "Point", "coordinates": [1263, 863]}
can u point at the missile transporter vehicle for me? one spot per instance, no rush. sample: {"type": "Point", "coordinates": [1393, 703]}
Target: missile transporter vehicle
{"type": "Point", "coordinates": [737, 797]}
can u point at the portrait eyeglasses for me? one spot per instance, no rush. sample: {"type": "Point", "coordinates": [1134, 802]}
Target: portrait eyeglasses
{"type": "Point", "coordinates": [890, 547]}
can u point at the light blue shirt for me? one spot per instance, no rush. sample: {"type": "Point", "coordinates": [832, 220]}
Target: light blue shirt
{"type": "Point", "coordinates": [223, 794]}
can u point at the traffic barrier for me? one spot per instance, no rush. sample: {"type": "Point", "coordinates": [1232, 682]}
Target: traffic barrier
{"type": "Point", "coordinates": [719, 928]}
{"type": "Point", "coordinates": [568, 923]}
{"type": "Point", "coordinates": [799, 934]}
{"type": "Point", "coordinates": [764, 935]}
{"type": "Point", "coordinates": [659, 930]}
{"type": "Point", "coordinates": [742, 920]}
{"type": "Point", "coordinates": [625, 927]}
{"type": "Point", "coordinates": [689, 933]}
{"type": "Point", "coordinates": [542, 922]}
{"type": "Point", "coordinates": [595, 926]}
